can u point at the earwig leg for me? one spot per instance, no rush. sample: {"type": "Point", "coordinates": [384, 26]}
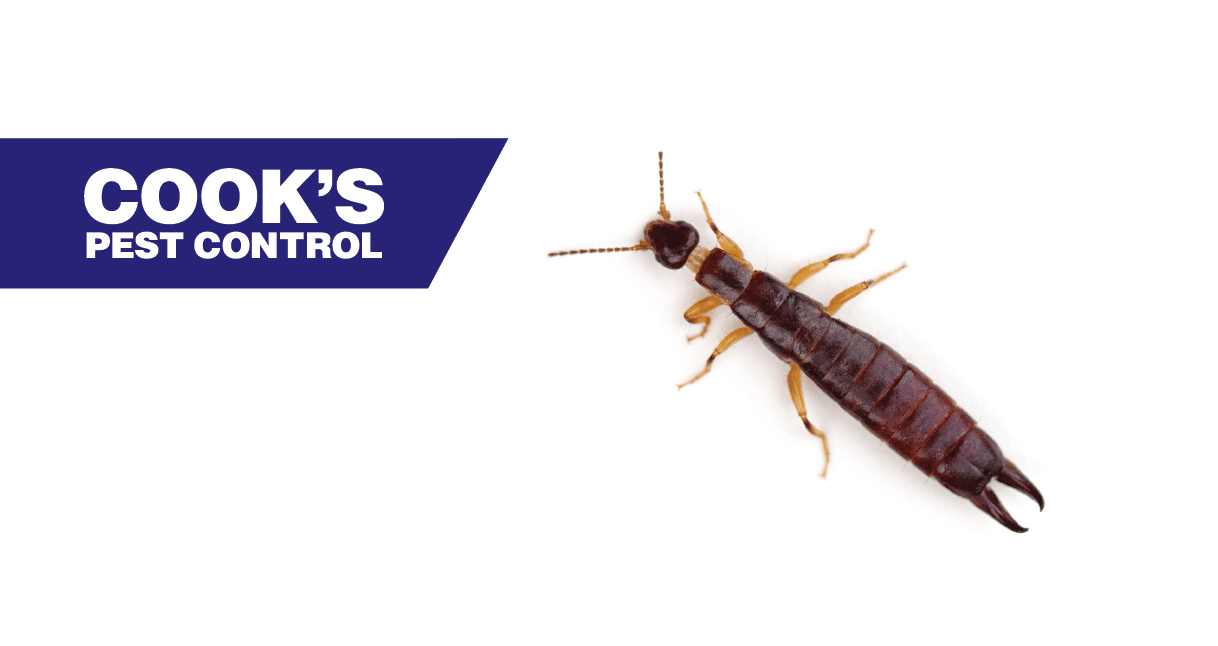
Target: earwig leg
{"type": "Point", "coordinates": [850, 292]}
{"type": "Point", "coordinates": [812, 269]}
{"type": "Point", "coordinates": [697, 314]}
{"type": "Point", "coordinates": [732, 337]}
{"type": "Point", "coordinates": [725, 242]}
{"type": "Point", "coordinates": [795, 383]}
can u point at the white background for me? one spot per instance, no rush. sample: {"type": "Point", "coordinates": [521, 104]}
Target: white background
{"type": "Point", "coordinates": [503, 458]}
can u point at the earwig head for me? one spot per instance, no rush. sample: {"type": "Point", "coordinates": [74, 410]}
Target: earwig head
{"type": "Point", "coordinates": [672, 241]}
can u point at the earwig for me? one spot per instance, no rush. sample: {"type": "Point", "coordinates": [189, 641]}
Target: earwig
{"type": "Point", "coordinates": [880, 388]}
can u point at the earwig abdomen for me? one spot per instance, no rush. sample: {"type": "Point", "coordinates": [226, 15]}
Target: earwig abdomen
{"type": "Point", "coordinates": [892, 398]}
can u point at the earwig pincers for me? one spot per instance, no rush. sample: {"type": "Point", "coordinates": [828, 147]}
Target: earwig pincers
{"type": "Point", "coordinates": [880, 388]}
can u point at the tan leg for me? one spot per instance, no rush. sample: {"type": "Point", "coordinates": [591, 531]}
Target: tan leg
{"type": "Point", "coordinates": [726, 343]}
{"type": "Point", "coordinates": [850, 292]}
{"type": "Point", "coordinates": [795, 383]}
{"type": "Point", "coordinates": [697, 314]}
{"type": "Point", "coordinates": [725, 242]}
{"type": "Point", "coordinates": [807, 272]}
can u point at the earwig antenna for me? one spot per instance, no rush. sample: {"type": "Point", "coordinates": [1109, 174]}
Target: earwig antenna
{"type": "Point", "coordinates": [641, 246]}
{"type": "Point", "coordinates": [663, 209]}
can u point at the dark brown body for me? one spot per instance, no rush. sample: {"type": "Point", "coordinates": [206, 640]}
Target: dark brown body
{"type": "Point", "coordinates": [876, 385]}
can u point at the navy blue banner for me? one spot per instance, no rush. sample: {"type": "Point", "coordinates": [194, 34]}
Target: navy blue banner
{"type": "Point", "coordinates": [340, 213]}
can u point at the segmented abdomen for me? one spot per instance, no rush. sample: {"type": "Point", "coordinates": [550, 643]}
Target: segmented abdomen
{"type": "Point", "coordinates": [891, 397]}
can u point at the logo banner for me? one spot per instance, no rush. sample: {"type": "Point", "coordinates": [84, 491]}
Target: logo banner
{"type": "Point", "coordinates": [234, 213]}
